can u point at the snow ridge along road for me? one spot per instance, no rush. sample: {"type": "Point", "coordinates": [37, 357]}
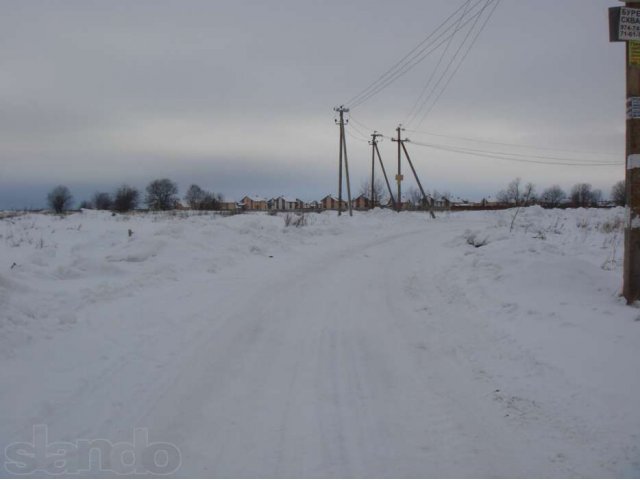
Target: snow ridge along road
{"type": "Point", "coordinates": [383, 345]}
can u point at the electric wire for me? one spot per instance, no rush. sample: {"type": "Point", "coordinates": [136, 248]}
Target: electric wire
{"type": "Point", "coordinates": [513, 158]}
{"type": "Point", "coordinates": [518, 145]}
{"type": "Point", "coordinates": [408, 66]}
{"type": "Point", "coordinates": [354, 134]}
{"type": "Point", "coordinates": [464, 56]}
{"type": "Point", "coordinates": [411, 63]}
{"type": "Point", "coordinates": [363, 134]}
{"type": "Point", "coordinates": [402, 60]}
{"type": "Point", "coordinates": [433, 72]}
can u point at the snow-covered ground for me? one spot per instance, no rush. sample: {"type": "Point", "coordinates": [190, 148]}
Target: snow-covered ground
{"type": "Point", "coordinates": [380, 345]}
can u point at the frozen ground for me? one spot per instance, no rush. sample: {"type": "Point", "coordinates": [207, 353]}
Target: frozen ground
{"type": "Point", "coordinates": [382, 345]}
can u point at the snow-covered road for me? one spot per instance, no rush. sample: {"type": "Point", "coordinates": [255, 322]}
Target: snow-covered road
{"type": "Point", "coordinates": [389, 348]}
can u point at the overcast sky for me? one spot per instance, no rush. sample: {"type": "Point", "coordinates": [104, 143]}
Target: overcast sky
{"type": "Point", "coordinates": [237, 96]}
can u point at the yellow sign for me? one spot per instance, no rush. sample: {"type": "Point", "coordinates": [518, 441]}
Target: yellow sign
{"type": "Point", "coordinates": [399, 178]}
{"type": "Point", "coordinates": [634, 53]}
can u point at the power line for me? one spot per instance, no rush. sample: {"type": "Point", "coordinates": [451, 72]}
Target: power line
{"type": "Point", "coordinates": [505, 144]}
{"type": "Point", "coordinates": [399, 62]}
{"type": "Point", "coordinates": [514, 157]}
{"type": "Point", "coordinates": [362, 134]}
{"type": "Point", "coordinates": [360, 123]}
{"type": "Point", "coordinates": [408, 65]}
{"type": "Point", "coordinates": [464, 56]}
{"type": "Point", "coordinates": [419, 105]}
{"type": "Point", "coordinates": [356, 136]}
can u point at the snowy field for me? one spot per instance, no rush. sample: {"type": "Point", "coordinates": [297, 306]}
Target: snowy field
{"type": "Point", "coordinates": [380, 345]}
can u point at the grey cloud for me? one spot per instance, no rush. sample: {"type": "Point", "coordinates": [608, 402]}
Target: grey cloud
{"type": "Point", "coordinates": [89, 91]}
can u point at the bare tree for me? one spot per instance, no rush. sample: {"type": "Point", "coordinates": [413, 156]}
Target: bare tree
{"type": "Point", "coordinates": [162, 194]}
{"type": "Point", "coordinates": [194, 197]}
{"type": "Point", "coordinates": [618, 194]}
{"type": "Point", "coordinates": [583, 195]}
{"type": "Point", "coordinates": [529, 196]}
{"type": "Point", "coordinates": [85, 205]}
{"type": "Point", "coordinates": [553, 196]}
{"type": "Point", "coordinates": [102, 201]}
{"type": "Point", "coordinates": [437, 195]}
{"type": "Point", "coordinates": [379, 191]}
{"type": "Point", "coordinates": [60, 199]}
{"type": "Point", "coordinates": [126, 198]}
{"type": "Point", "coordinates": [414, 196]}
{"type": "Point", "coordinates": [211, 201]}
{"type": "Point", "coordinates": [199, 199]}
{"type": "Point", "coordinates": [528, 191]}
{"type": "Point", "coordinates": [512, 194]}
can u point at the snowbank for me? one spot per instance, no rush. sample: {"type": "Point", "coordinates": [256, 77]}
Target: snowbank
{"type": "Point", "coordinates": [478, 343]}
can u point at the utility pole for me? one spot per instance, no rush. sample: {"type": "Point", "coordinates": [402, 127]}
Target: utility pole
{"type": "Point", "coordinates": [623, 26]}
{"type": "Point", "coordinates": [425, 200]}
{"type": "Point", "coordinates": [343, 150]}
{"type": "Point", "coordinates": [399, 177]}
{"type": "Point", "coordinates": [373, 143]}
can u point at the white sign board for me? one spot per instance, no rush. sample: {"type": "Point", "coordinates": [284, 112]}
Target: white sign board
{"type": "Point", "coordinates": [633, 107]}
{"type": "Point", "coordinates": [629, 26]}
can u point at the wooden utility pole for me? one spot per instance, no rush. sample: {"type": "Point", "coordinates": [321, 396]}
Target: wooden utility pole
{"type": "Point", "coordinates": [624, 26]}
{"type": "Point", "coordinates": [402, 148]}
{"type": "Point", "coordinates": [425, 201]}
{"type": "Point", "coordinates": [374, 142]}
{"type": "Point", "coordinates": [340, 165]}
{"type": "Point", "coordinates": [399, 175]}
{"type": "Point", "coordinates": [373, 168]}
{"type": "Point", "coordinates": [631, 283]}
{"type": "Point", "coordinates": [343, 150]}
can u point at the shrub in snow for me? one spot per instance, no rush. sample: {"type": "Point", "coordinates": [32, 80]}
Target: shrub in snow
{"type": "Point", "coordinates": [295, 220]}
{"type": "Point", "coordinates": [612, 225]}
{"type": "Point", "coordinates": [60, 199]}
{"type": "Point", "coordinates": [475, 240]}
{"type": "Point", "coordinates": [583, 223]}
{"type": "Point", "coordinates": [102, 201]}
{"type": "Point", "coordinates": [125, 199]}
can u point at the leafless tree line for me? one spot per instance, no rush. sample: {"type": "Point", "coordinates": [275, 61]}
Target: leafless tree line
{"type": "Point", "coordinates": [160, 194]}
{"type": "Point", "coordinates": [580, 195]}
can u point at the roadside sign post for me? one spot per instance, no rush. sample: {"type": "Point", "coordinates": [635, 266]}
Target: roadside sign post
{"type": "Point", "coordinates": [624, 26]}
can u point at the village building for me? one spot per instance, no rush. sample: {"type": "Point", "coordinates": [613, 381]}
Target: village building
{"type": "Point", "coordinates": [331, 203]}
{"type": "Point", "coordinates": [361, 203]}
{"type": "Point", "coordinates": [229, 206]}
{"type": "Point", "coordinates": [406, 204]}
{"type": "Point", "coordinates": [254, 203]}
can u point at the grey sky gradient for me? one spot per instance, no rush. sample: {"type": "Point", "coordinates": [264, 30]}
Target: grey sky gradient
{"type": "Point", "coordinates": [237, 96]}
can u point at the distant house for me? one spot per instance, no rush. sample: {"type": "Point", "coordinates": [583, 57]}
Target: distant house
{"type": "Point", "coordinates": [314, 205]}
{"type": "Point", "coordinates": [276, 203]}
{"type": "Point", "coordinates": [285, 203]}
{"type": "Point", "coordinates": [443, 203]}
{"type": "Point", "coordinates": [405, 205]}
{"type": "Point", "coordinates": [331, 203]}
{"type": "Point", "coordinates": [254, 203]}
{"type": "Point", "coordinates": [361, 203]}
{"type": "Point", "coordinates": [289, 203]}
{"type": "Point", "coordinates": [229, 206]}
